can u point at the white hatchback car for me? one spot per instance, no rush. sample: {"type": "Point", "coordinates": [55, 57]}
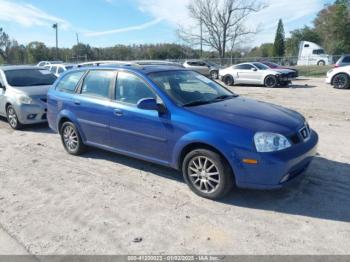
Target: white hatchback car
{"type": "Point", "coordinates": [339, 77]}
{"type": "Point", "coordinates": [58, 69]}
{"type": "Point", "coordinates": [255, 74]}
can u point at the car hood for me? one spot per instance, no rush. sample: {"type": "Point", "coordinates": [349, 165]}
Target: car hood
{"type": "Point", "coordinates": [32, 90]}
{"type": "Point", "coordinates": [252, 114]}
{"type": "Point", "coordinates": [284, 70]}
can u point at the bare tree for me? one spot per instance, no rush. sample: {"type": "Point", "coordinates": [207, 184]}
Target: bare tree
{"type": "Point", "coordinates": [222, 23]}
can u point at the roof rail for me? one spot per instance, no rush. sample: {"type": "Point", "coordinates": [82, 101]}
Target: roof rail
{"type": "Point", "coordinates": [136, 63]}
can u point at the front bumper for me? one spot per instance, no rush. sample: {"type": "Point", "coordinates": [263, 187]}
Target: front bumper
{"type": "Point", "coordinates": [329, 79]}
{"type": "Point", "coordinates": [31, 114]}
{"type": "Point", "coordinates": [276, 170]}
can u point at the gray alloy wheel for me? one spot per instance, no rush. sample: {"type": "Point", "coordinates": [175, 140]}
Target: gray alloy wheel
{"type": "Point", "coordinates": [71, 139]}
{"type": "Point", "coordinates": [204, 174]}
{"type": "Point", "coordinates": [207, 174]}
{"type": "Point", "coordinates": [271, 81]}
{"type": "Point", "coordinates": [341, 81]}
{"type": "Point", "coordinates": [214, 74]}
{"type": "Point", "coordinates": [12, 118]}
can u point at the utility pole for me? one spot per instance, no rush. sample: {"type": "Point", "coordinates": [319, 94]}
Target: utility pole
{"type": "Point", "coordinates": [77, 38]}
{"type": "Point", "coordinates": [55, 26]}
{"type": "Point", "coordinates": [201, 28]}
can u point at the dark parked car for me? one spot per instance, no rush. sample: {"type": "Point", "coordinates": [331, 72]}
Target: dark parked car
{"type": "Point", "coordinates": [179, 118]}
{"type": "Point", "coordinates": [295, 72]}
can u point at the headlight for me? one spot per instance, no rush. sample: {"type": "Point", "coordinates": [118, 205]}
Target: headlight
{"type": "Point", "coordinates": [25, 100]}
{"type": "Point", "coordinates": [270, 142]}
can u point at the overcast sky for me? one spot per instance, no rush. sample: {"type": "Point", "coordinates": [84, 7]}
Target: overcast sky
{"type": "Point", "coordinates": [109, 22]}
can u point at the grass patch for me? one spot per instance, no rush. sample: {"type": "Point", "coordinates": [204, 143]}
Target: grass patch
{"type": "Point", "coordinates": [313, 71]}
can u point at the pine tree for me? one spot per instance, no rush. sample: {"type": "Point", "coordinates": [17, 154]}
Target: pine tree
{"type": "Point", "coordinates": [280, 41]}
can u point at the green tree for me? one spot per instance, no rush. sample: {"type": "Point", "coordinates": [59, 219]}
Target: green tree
{"type": "Point", "coordinates": [37, 51]}
{"type": "Point", "coordinates": [333, 26]}
{"type": "Point", "coordinates": [279, 45]}
{"type": "Point", "coordinates": [5, 43]}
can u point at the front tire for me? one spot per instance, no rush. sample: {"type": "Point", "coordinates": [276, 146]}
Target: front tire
{"type": "Point", "coordinates": [207, 174]}
{"type": "Point", "coordinates": [12, 118]}
{"type": "Point", "coordinates": [271, 81]}
{"type": "Point", "coordinates": [71, 139]}
{"type": "Point", "coordinates": [341, 81]}
{"type": "Point", "coordinates": [228, 80]}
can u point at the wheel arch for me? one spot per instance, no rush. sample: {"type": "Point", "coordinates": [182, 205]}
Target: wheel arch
{"type": "Point", "coordinates": [186, 149]}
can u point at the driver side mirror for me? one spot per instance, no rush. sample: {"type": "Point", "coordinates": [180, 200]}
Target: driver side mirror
{"type": "Point", "coordinates": [151, 104]}
{"type": "Point", "coordinates": [254, 69]}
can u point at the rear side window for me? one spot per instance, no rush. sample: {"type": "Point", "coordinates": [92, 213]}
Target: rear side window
{"type": "Point", "coordinates": [131, 89]}
{"type": "Point", "coordinates": [69, 82]}
{"type": "Point", "coordinates": [98, 83]}
{"type": "Point", "coordinates": [244, 67]}
{"type": "Point", "coordinates": [53, 69]}
{"type": "Point", "coordinates": [60, 70]}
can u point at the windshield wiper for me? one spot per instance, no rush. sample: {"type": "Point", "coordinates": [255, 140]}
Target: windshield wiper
{"type": "Point", "coordinates": [197, 103]}
{"type": "Point", "coordinates": [225, 97]}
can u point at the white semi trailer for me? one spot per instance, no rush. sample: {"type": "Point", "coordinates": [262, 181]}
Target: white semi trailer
{"type": "Point", "coordinates": [312, 54]}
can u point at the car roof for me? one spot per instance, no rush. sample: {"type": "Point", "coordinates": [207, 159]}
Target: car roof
{"type": "Point", "coordinates": [21, 67]}
{"type": "Point", "coordinates": [141, 69]}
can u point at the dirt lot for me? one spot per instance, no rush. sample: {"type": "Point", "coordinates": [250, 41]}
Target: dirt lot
{"type": "Point", "coordinates": [53, 203]}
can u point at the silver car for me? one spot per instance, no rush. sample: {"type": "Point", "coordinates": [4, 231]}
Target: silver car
{"type": "Point", "coordinates": [23, 92]}
{"type": "Point", "coordinates": [203, 67]}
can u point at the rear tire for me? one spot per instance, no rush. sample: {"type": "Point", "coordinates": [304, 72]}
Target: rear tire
{"type": "Point", "coordinates": [71, 139]}
{"type": "Point", "coordinates": [271, 81]}
{"type": "Point", "coordinates": [12, 118]}
{"type": "Point", "coordinates": [214, 75]}
{"type": "Point", "coordinates": [207, 174]}
{"type": "Point", "coordinates": [228, 80]}
{"type": "Point", "coordinates": [341, 81]}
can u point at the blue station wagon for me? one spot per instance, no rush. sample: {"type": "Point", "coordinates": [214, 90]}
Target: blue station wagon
{"type": "Point", "coordinates": [178, 118]}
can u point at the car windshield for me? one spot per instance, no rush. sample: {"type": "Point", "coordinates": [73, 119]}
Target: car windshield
{"type": "Point", "coordinates": [188, 88]}
{"type": "Point", "coordinates": [261, 66]}
{"type": "Point", "coordinates": [30, 77]}
{"type": "Point", "coordinates": [271, 65]}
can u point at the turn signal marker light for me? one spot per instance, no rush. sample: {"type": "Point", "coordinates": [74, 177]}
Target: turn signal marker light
{"type": "Point", "coordinates": [250, 161]}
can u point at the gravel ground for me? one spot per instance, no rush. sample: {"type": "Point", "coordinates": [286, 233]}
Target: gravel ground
{"type": "Point", "coordinates": [101, 203]}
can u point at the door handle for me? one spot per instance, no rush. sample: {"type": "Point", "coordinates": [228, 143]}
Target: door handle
{"type": "Point", "coordinates": [118, 112]}
{"type": "Point", "coordinates": [77, 102]}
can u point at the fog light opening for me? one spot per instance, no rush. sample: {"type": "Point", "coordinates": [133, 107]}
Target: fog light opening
{"type": "Point", "coordinates": [285, 178]}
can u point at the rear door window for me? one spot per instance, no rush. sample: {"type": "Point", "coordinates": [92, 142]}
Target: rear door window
{"type": "Point", "coordinates": [98, 83]}
{"type": "Point", "coordinates": [69, 82]}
